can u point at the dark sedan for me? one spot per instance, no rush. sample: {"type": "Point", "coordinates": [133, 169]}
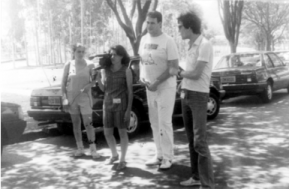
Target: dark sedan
{"type": "Point", "coordinates": [254, 73]}
{"type": "Point", "coordinates": [12, 123]}
{"type": "Point", "coordinates": [46, 105]}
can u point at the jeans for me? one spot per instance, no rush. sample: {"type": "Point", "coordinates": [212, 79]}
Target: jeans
{"type": "Point", "coordinates": [194, 108]}
{"type": "Point", "coordinates": [161, 105]}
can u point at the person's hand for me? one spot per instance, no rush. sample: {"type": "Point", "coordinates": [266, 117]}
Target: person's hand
{"type": "Point", "coordinates": [143, 83]}
{"type": "Point", "coordinates": [98, 76]}
{"type": "Point", "coordinates": [86, 88]}
{"type": "Point", "coordinates": [127, 115]}
{"type": "Point", "coordinates": [173, 71]}
{"type": "Point", "coordinates": [179, 88]}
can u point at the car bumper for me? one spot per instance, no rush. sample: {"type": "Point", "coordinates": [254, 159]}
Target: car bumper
{"type": "Point", "coordinates": [253, 88]}
{"type": "Point", "coordinates": [222, 93]}
{"type": "Point", "coordinates": [59, 116]}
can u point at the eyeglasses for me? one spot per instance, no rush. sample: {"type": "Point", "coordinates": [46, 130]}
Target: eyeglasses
{"type": "Point", "coordinates": [80, 51]}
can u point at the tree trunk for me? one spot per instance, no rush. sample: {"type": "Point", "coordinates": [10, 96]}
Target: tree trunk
{"type": "Point", "coordinates": [64, 50]}
{"type": "Point", "coordinates": [268, 43]}
{"type": "Point", "coordinates": [60, 54]}
{"type": "Point", "coordinates": [233, 47]}
{"type": "Point", "coordinates": [26, 50]}
{"type": "Point", "coordinates": [13, 53]}
{"type": "Point", "coordinates": [50, 39]}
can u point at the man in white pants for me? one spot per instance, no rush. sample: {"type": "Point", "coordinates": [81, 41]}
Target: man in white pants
{"type": "Point", "coordinates": [159, 62]}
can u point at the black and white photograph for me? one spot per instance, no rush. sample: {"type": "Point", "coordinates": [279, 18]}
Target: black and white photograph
{"type": "Point", "coordinates": [144, 94]}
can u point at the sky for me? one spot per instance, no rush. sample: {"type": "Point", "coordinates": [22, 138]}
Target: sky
{"type": "Point", "coordinates": [211, 13]}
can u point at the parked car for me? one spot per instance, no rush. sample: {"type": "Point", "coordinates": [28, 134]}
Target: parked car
{"type": "Point", "coordinates": [12, 123]}
{"type": "Point", "coordinates": [254, 73]}
{"type": "Point", "coordinates": [46, 104]}
{"type": "Point", "coordinates": [284, 55]}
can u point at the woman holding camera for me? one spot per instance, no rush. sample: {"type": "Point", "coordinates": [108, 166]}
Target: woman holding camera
{"type": "Point", "coordinates": [116, 82]}
{"type": "Point", "coordinates": [76, 89]}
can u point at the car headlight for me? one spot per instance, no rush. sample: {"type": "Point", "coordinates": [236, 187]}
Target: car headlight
{"type": "Point", "coordinates": [20, 113]}
{"type": "Point", "coordinates": [34, 101]}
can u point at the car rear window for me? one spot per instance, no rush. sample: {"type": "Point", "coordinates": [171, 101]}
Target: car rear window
{"type": "Point", "coordinates": [240, 60]}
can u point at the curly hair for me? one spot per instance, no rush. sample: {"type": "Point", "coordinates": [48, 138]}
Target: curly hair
{"type": "Point", "coordinates": [191, 20]}
{"type": "Point", "coordinates": [121, 51]}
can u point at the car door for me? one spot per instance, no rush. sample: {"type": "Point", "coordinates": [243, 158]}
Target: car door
{"type": "Point", "coordinates": [271, 71]}
{"type": "Point", "coordinates": [281, 70]}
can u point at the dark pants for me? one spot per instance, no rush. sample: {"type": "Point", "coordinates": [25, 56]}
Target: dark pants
{"type": "Point", "coordinates": [194, 107]}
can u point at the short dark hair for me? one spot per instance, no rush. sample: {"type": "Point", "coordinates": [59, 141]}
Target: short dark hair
{"type": "Point", "coordinates": [155, 14]}
{"type": "Point", "coordinates": [191, 20]}
{"type": "Point", "coordinates": [121, 51]}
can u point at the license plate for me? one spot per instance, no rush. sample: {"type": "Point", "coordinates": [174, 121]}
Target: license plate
{"type": "Point", "coordinates": [231, 79]}
{"type": "Point", "coordinates": [53, 100]}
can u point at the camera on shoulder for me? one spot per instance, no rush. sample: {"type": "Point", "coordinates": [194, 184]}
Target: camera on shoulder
{"type": "Point", "coordinates": [104, 61]}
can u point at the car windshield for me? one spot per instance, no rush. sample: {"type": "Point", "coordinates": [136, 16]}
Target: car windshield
{"type": "Point", "coordinates": [240, 60]}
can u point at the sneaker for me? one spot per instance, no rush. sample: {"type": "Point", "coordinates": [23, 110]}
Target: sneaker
{"type": "Point", "coordinates": [154, 161]}
{"type": "Point", "coordinates": [94, 153]}
{"type": "Point", "coordinates": [79, 152]}
{"type": "Point", "coordinates": [166, 164]}
{"type": "Point", "coordinates": [190, 182]}
{"type": "Point", "coordinates": [113, 159]}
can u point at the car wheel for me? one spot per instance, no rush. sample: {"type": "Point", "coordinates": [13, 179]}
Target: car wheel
{"type": "Point", "coordinates": [65, 128]}
{"type": "Point", "coordinates": [134, 123]}
{"type": "Point", "coordinates": [267, 94]}
{"type": "Point", "coordinates": [213, 106]}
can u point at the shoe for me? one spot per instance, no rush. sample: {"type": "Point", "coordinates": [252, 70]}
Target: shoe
{"type": "Point", "coordinates": [113, 159]}
{"type": "Point", "coordinates": [93, 151]}
{"type": "Point", "coordinates": [166, 164]}
{"type": "Point", "coordinates": [79, 152]}
{"type": "Point", "coordinates": [190, 182]}
{"type": "Point", "coordinates": [121, 165]}
{"type": "Point", "coordinates": [154, 161]}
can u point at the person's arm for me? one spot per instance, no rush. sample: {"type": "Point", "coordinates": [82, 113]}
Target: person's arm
{"type": "Point", "coordinates": [196, 73]}
{"type": "Point", "coordinates": [64, 80]}
{"type": "Point", "coordinates": [172, 70]}
{"type": "Point", "coordinates": [205, 53]}
{"type": "Point", "coordinates": [93, 81]}
{"type": "Point", "coordinates": [99, 80]}
{"type": "Point", "coordinates": [130, 94]}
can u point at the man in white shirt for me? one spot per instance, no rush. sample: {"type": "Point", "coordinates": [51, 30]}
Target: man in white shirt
{"type": "Point", "coordinates": [159, 58]}
{"type": "Point", "coordinates": [195, 92]}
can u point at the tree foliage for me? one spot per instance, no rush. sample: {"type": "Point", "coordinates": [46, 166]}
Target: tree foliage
{"type": "Point", "coordinates": [134, 30]}
{"type": "Point", "coordinates": [231, 17]}
{"type": "Point", "coordinates": [271, 19]}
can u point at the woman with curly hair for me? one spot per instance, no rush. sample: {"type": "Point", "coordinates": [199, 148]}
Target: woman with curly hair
{"type": "Point", "coordinates": [116, 82]}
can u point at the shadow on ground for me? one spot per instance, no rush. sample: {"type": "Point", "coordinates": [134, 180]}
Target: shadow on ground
{"type": "Point", "coordinates": [249, 143]}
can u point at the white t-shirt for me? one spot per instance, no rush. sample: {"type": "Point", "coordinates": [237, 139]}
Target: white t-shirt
{"type": "Point", "coordinates": [201, 50]}
{"type": "Point", "coordinates": [155, 53]}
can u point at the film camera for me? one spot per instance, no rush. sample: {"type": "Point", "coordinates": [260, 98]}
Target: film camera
{"type": "Point", "coordinates": [104, 61]}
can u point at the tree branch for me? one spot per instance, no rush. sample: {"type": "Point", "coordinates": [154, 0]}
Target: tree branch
{"type": "Point", "coordinates": [127, 30]}
{"type": "Point", "coordinates": [134, 2]}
